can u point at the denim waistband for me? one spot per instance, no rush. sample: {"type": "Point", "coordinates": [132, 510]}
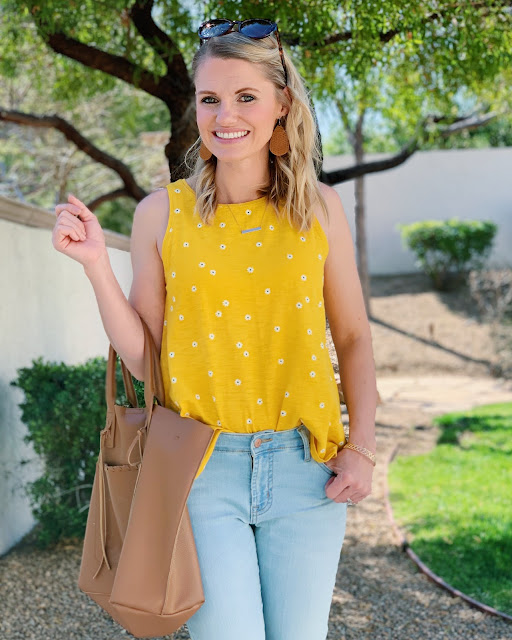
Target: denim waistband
{"type": "Point", "coordinates": [266, 440]}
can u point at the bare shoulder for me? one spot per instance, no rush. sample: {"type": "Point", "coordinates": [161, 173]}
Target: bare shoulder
{"type": "Point", "coordinates": [151, 216]}
{"type": "Point", "coordinates": [334, 208]}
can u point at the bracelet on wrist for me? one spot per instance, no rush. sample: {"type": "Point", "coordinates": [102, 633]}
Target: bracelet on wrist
{"type": "Point", "coordinates": [362, 450]}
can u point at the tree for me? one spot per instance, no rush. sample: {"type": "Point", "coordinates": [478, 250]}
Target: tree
{"type": "Point", "coordinates": [420, 53]}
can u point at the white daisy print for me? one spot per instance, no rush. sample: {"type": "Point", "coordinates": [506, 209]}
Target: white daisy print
{"type": "Point", "coordinates": [286, 394]}
{"type": "Point", "coordinates": [177, 210]}
{"type": "Point", "coordinates": [202, 264]}
{"type": "Point", "coordinates": [171, 308]}
{"type": "Point", "coordinates": [194, 344]}
{"type": "Point", "coordinates": [277, 329]}
{"type": "Point", "coordinates": [210, 373]}
{"type": "Point", "coordinates": [248, 212]}
{"type": "Point", "coordinates": [312, 374]}
{"type": "Point", "coordinates": [250, 269]}
{"type": "Point", "coordinates": [249, 421]}
{"type": "Point", "coordinates": [313, 357]}
{"type": "Point", "coordinates": [213, 272]}
{"type": "Point", "coordinates": [177, 190]}
{"type": "Point", "coordinates": [173, 379]}
{"type": "Point", "coordinates": [185, 244]}
{"type": "Point", "coordinates": [194, 288]}
{"type": "Point", "coordinates": [303, 277]}
{"type": "Point", "coordinates": [222, 246]}
{"type": "Point", "coordinates": [222, 225]}
{"type": "Point", "coordinates": [171, 354]}
{"type": "Point", "coordinates": [283, 413]}
{"type": "Point", "coordinates": [303, 239]}
{"type": "Point", "coordinates": [247, 317]}
{"type": "Point", "coordinates": [322, 450]}
{"type": "Point", "coordinates": [267, 291]}
{"type": "Point", "coordinates": [322, 345]}
{"type": "Point", "coordinates": [170, 230]}
{"type": "Point", "coordinates": [173, 299]}
{"type": "Point", "coordinates": [259, 401]}
{"type": "Point", "coordinates": [218, 314]}
{"type": "Point", "coordinates": [322, 405]}
{"type": "Point", "coordinates": [307, 299]}
{"type": "Point", "coordinates": [225, 303]}
{"type": "Point", "coordinates": [198, 397]}
{"type": "Point", "coordinates": [238, 382]}
{"type": "Point", "coordinates": [165, 323]}
{"type": "Point", "coordinates": [259, 244]}
{"type": "Point", "coordinates": [219, 423]}
{"type": "Point", "coordinates": [173, 274]}
{"type": "Point", "coordinates": [199, 225]}
{"type": "Point", "coordinates": [290, 256]}
{"type": "Point", "coordinates": [271, 227]}
{"type": "Point", "coordinates": [239, 345]}
{"type": "Point", "coordinates": [280, 361]}
{"type": "Point", "coordinates": [246, 354]}
{"type": "Point", "coordinates": [181, 316]}
{"type": "Point", "coordinates": [310, 332]}
{"type": "Point", "coordinates": [211, 336]}
{"type": "Point", "coordinates": [299, 305]}
{"type": "Point", "coordinates": [319, 256]}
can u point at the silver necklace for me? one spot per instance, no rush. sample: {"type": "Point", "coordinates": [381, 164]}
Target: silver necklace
{"type": "Point", "coordinates": [253, 228]}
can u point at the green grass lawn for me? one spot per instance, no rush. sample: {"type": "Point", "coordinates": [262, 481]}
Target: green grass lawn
{"type": "Point", "coordinates": [455, 503]}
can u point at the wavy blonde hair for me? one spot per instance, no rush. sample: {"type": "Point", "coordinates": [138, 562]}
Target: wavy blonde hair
{"type": "Point", "coordinates": [293, 189]}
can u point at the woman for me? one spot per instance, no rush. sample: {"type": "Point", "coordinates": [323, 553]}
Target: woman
{"type": "Point", "coordinates": [234, 270]}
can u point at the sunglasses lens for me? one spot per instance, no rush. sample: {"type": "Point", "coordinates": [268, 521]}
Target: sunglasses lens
{"type": "Point", "coordinates": [257, 28]}
{"type": "Point", "coordinates": [214, 28]}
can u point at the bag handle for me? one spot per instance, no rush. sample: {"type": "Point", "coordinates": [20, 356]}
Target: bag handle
{"type": "Point", "coordinates": [153, 383]}
{"type": "Point", "coordinates": [111, 385]}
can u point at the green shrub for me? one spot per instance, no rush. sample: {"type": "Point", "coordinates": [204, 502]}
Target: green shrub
{"type": "Point", "coordinates": [447, 250]}
{"type": "Point", "coordinates": [64, 410]}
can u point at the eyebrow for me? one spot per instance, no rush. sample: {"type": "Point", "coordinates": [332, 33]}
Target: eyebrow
{"type": "Point", "coordinates": [239, 91]}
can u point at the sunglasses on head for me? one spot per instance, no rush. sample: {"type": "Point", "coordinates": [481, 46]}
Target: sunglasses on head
{"type": "Point", "coordinates": [256, 29]}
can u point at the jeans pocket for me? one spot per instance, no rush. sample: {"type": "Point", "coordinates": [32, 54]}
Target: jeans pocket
{"type": "Point", "coordinates": [323, 466]}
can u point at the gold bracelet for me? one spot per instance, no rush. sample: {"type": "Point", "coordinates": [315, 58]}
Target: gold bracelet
{"type": "Point", "coordinates": [360, 449]}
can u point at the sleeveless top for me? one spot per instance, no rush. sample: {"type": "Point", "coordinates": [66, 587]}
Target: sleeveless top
{"type": "Point", "coordinates": [244, 336]}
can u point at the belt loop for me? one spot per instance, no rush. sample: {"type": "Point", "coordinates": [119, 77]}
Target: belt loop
{"type": "Point", "coordinates": [304, 434]}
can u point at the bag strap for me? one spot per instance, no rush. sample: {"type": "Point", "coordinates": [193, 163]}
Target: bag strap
{"type": "Point", "coordinates": [111, 385]}
{"type": "Point", "coordinates": [153, 383]}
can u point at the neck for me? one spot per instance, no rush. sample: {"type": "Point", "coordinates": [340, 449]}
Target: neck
{"type": "Point", "coordinates": [239, 181]}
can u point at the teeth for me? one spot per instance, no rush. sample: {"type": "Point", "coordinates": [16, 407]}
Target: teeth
{"type": "Point", "coordinates": [237, 134]}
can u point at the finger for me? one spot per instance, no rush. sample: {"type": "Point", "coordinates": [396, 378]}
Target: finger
{"type": "Point", "coordinates": [67, 230]}
{"type": "Point", "coordinates": [84, 211]}
{"type": "Point", "coordinates": [67, 206]}
{"type": "Point", "coordinates": [71, 220]}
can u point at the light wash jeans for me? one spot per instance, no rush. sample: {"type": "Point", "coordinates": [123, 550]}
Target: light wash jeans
{"type": "Point", "coordinates": [268, 539]}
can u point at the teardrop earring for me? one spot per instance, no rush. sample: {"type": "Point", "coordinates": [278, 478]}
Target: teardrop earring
{"type": "Point", "coordinates": [279, 142]}
{"type": "Point", "coordinates": [204, 153]}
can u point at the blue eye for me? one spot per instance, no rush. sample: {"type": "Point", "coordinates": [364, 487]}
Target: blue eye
{"type": "Point", "coordinates": [207, 98]}
{"type": "Point", "coordinates": [247, 96]}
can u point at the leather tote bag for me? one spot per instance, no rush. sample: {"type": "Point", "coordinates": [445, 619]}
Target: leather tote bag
{"type": "Point", "coordinates": [139, 559]}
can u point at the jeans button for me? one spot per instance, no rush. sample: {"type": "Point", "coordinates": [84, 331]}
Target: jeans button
{"type": "Point", "coordinates": [257, 442]}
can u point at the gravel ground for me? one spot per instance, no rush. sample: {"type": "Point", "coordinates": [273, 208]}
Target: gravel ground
{"type": "Point", "coordinates": [379, 593]}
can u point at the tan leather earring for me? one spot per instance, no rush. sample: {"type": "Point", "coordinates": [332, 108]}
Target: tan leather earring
{"type": "Point", "coordinates": [279, 142]}
{"type": "Point", "coordinates": [204, 153]}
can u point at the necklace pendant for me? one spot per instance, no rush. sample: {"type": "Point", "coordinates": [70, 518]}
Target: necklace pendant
{"type": "Point", "coordinates": [253, 229]}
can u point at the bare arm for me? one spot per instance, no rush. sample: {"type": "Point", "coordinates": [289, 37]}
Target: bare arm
{"type": "Point", "coordinates": [82, 239]}
{"type": "Point", "coordinates": [349, 325]}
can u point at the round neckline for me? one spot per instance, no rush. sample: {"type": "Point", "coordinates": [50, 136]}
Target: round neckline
{"type": "Point", "coordinates": [231, 204]}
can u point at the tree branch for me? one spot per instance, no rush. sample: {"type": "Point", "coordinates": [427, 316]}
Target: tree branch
{"type": "Point", "coordinates": [131, 188]}
{"type": "Point", "coordinates": [163, 45]}
{"type": "Point", "coordinates": [385, 36]}
{"type": "Point", "coordinates": [473, 121]}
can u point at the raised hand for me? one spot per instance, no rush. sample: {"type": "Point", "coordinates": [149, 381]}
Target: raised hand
{"type": "Point", "coordinates": [77, 232]}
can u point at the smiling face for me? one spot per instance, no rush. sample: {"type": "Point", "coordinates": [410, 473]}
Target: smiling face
{"type": "Point", "coordinates": [237, 108]}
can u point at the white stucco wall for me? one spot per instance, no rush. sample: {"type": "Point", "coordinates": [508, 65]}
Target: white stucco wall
{"type": "Point", "coordinates": [47, 308]}
{"type": "Point", "coordinates": [466, 183]}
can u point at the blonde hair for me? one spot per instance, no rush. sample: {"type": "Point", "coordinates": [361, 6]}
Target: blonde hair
{"type": "Point", "coordinates": [293, 183]}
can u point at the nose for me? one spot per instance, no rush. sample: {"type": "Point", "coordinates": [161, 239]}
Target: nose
{"type": "Point", "coordinates": [226, 114]}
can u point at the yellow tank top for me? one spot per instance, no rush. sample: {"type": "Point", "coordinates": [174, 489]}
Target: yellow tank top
{"type": "Point", "coordinates": [244, 336]}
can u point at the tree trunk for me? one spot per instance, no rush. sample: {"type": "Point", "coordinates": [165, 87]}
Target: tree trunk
{"type": "Point", "coordinates": [362, 254]}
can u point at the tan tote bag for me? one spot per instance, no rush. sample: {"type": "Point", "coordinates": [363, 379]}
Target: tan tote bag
{"type": "Point", "coordinates": [139, 559]}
